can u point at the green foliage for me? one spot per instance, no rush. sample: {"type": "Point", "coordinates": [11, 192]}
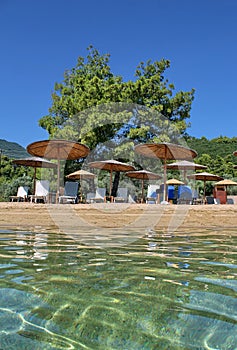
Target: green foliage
{"type": "Point", "coordinates": [221, 146]}
{"type": "Point", "coordinates": [91, 83]}
{"type": "Point", "coordinates": [11, 188]}
{"type": "Point", "coordinates": [217, 155]}
{"type": "Point", "coordinates": [13, 176]}
{"type": "Point", "coordinates": [11, 171]}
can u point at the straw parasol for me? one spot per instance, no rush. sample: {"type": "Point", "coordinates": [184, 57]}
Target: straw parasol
{"type": "Point", "coordinates": [165, 151]}
{"type": "Point", "coordinates": [226, 183]}
{"type": "Point", "coordinates": [59, 150]}
{"type": "Point", "coordinates": [174, 182]}
{"type": "Point", "coordinates": [143, 175]}
{"type": "Point", "coordinates": [80, 175]}
{"type": "Point", "coordinates": [111, 165]}
{"type": "Point", "coordinates": [35, 162]}
{"type": "Point", "coordinates": [204, 176]}
{"type": "Point", "coordinates": [185, 165]}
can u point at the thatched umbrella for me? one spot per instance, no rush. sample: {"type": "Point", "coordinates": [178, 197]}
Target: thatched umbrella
{"type": "Point", "coordinates": [174, 182]}
{"type": "Point", "coordinates": [204, 176]}
{"type": "Point", "coordinates": [58, 149]}
{"type": "Point", "coordinates": [226, 183]}
{"type": "Point", "coordinates": [143, 175]}
{"type": "Point", "coordinates": [80, 175]}
{"type": "Point", "coordinates": [185, 165]}
{"type": "Point", "coordinates": [165, 151]}
{"type": "Point", "coordinates": [111, 165]}
{"type": "Point", "coordinates": [35, 162]}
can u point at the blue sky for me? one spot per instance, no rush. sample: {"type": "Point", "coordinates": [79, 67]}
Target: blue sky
{"type": "Point", "coordinates": [40, 39]}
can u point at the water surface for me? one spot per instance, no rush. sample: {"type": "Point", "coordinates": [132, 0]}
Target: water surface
{"type": "Point", "coordinates": [159, 292]}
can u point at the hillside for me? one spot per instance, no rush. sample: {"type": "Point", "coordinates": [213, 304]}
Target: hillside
{"type": "Point", "coordinates": [12, 150]}
{"type": "Point", "coordinates": [221, 146]}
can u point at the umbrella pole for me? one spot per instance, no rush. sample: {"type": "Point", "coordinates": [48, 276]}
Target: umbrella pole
{"type": "Point", "coordinates": [204, 192]}
{"type": "Point", "coordinates": [34, 184]}
{"type": "Point", "coordinates": [110, 186]}
{"type": "Point", "coordinates": [58, 179]}
{"type": "Point", "coordinates": [165, 175]}
{"type": "Point", "coordinates": [80, 189]}
{"type": "Point", "coordinates": [142, 190]}
{"type": "Point", "coordinates": [185, 176]}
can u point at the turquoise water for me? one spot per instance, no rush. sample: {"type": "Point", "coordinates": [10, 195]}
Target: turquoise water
{"type": "Point", "coordinates": [159, 292]}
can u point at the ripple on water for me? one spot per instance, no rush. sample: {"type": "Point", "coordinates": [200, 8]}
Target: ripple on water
{"type": "Point", "coordinates": [161, 292]}
{"type": "Point", "coordinates": [19, 329]}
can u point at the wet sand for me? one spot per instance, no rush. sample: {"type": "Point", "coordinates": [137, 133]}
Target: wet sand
{"type": "Point", "coordinates": [57, 218]}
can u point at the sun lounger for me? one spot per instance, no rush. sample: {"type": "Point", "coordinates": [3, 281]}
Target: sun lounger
{"type": "Point", "coordinates": [122, 195]}
{"type": "Point", "coordinates": [185, 195]}
{"type": "Point", "coordinates": [131, 199]}
{"type": "Point", "coordinates": [230, 201]}
{"type": "Point", "coordinates": [21, 195]}
{"type": "Point", "coordinates": [185, 198]}
{"type": "Point", "coordinates": [99, 195]}
{"type": "Point", "coordinates": [210, 200]}
{"type": "Point", "coordinates": [152, 194]}
{"type": "Point", "coordinates": [89, 197]}
{"type": "Point", "coordinates": [217, 201]}
{"type": "Point", "coordinates": [41, 191]}
{"type": "Point", "coordinates": [70, 193]}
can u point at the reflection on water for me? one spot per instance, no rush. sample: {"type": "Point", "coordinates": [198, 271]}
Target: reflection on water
{"type": "Point", "coordinates": [160, 292]}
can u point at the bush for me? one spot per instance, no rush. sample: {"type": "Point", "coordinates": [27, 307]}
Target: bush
{"type": "Point", "coordinates": [8, 189]}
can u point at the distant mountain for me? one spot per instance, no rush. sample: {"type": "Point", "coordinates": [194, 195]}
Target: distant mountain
{"type": "Point", "coordinates": [12, 150]}
{"type": "Point", "coordinates": [220, 146]}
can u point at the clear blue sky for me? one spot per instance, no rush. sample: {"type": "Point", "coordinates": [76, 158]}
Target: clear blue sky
{"type": "Point", "coordinates": [40, 39]}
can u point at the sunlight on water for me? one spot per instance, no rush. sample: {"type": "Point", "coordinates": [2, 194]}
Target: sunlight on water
{"type": "Point", "coordinates": [159, 292]}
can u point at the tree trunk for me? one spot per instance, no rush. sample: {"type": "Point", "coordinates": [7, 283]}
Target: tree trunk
{"type": "Point", "coordinates": [115, 184]}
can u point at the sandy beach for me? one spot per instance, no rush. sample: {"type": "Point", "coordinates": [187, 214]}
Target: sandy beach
{"type": "Point", "coordinates": [56, 218]}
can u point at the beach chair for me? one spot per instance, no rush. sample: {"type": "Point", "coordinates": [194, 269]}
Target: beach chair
{"type": "Point", "coordinates": [185, 198]}
{"type": "Point", "coordinates": [230, 201]}
{"type": "Point", "coordinates": [185, 195]}
{"type": "Point", "coordinates": [70, 193]}
{"type": "Point", "coordinates": [21, 196]}
{"type": "Point", "coordinates": [196, 199]}
{"type": "Point", "coordinates": [89, 197]}
{"type": "Point", "coordinates": [210, 200]}
{"type": "Point", "coordinates": [195, 194]}
{"type": "Point", "coordinates": [152, 194]}
{"type": "Point", "coordinates": [41, 192]}
{"type": "Point", "coordinates": [122, 195]}
{"type": "Point", "coordinates": [99, 195]}
{"type": "Point", "coordinates": [217, 201]}
{"type": "Point", "coordinates": [131, 199]}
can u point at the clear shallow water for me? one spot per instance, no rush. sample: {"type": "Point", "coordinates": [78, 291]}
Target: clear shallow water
{"type": "Point", "coordinates": [159, 292]}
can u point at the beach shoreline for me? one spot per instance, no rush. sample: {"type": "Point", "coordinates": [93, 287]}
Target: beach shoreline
{"type": "Point", "coordinates": [57, 218]}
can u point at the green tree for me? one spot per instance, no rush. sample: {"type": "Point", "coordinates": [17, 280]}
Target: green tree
{"type": "Point", "coordinates": [11, 188]}
{"type": "Point", "coordinates": [13, 176]}
{"type": "Point", "coordinates": [205, 159]}
{"type": "Point", "coordinates": [91, 83]}
{"type": "Point", "coordinates": [110, 115]}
